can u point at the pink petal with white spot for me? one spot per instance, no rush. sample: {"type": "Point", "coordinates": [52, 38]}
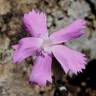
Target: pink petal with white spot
{"type": "Point", "coordinates": [25, 48]}
{"type": "Point", "coordinates": [70, 32]}
{"type": "Point", "coordinates": [36, 23]}
{"type": "Point", "coordinates": [69, 59]}
{"type": "Point", "coordinates": [41, 71]}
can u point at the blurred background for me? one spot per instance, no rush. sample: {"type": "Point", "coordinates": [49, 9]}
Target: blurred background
{"type": "Point", "coordinates": [14, 78]}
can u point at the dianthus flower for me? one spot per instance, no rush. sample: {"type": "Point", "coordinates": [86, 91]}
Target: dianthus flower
{"type": "Point", "coordinates": [43, 47]}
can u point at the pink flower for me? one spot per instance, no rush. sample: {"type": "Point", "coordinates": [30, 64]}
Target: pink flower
{"type": "Point", "coordinates": [43, 47]}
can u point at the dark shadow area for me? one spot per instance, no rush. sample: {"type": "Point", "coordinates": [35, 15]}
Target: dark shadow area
{"type": "Point", "coordinates": [92, 6]}
{"type": "Point", "coordinates": [88, 76]}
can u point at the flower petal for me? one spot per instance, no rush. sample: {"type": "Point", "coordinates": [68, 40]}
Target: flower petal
{"type": "Point", "coordinates": [15, 46]}
{"type": "Point", "coordinates": [70, 32]}
{"type": "Point", "coordinates": [69, 59]}
{"type": "Point", "coordinates": [41, 71]}
{"type": "Point", "coordinates": [35, 23]}
{"type": "Point", "coordinates": [20, 55]}
{"type": "Point", "coordinates": [25, 48]}
{"type": "Point", "coordinates": [30, 42]}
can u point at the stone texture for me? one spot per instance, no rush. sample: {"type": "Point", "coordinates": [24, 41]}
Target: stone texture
{"type": "Point", "coordinates": [5, 7]}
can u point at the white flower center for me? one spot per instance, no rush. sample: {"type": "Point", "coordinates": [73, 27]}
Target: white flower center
{"type": "Point", "coordinates": [46, 45]}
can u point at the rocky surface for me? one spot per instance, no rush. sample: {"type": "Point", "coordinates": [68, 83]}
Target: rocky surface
{"type": "Point", "coordinates": [13, 78]}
